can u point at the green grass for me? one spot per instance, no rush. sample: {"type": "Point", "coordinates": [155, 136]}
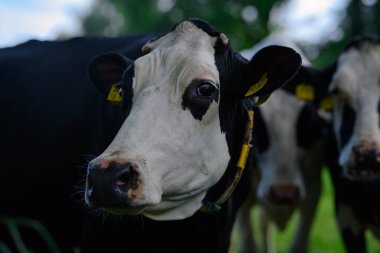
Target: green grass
{"type": "Point", "coordinates": [325, 237]}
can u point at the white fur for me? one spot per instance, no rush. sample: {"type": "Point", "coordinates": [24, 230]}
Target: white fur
{"type": "Point", "coordinates": [357, 82]}
{"type": "Point", "coordinates": [180, 157]}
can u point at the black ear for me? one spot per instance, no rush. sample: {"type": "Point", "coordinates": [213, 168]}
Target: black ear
{"type": "Point", "coordinates": [311, 84]}
{"type": "Point", "coordinates": [106, 71]}
{"type": "Point", "coordinates": [269, 69]}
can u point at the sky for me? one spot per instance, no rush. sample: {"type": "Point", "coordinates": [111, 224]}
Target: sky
{"type": "Point", "coordinates": [20, 20]}
{"type": "Point", "coordinates": [312, 21]}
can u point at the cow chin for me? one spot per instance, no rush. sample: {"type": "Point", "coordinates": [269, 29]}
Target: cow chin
{"type": "Point", "coordinates": [125, 211]}
{"type": "Point", "coordinates": [175, 209]}
{"type": "Point", "coordinates": [361, 173]}
{"type": "Point", "coordinates": [280, 214]}
{"type": "Point", "coordinates": [165, 210]}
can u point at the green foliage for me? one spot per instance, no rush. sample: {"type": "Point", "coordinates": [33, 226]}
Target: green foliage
{"type": "Point", "coordinates": [150, 16]}
{"type": "Point", "coordinates": [361, 18]}
{"type": "Point", "coordinates": [117, 17]}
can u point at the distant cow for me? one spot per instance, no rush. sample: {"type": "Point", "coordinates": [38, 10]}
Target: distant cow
{"type": "Point", "coordinates": [178, 151]}
{"type": "Point", "coordinates": [354, 147]}
{"type": "Point", "coordinates": [355, 163]}
{"type": "Point", "coordinates": [289, 159]}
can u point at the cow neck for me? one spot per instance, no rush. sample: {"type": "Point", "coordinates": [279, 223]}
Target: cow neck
{"type": "Point", "coordinates": [213, 207]}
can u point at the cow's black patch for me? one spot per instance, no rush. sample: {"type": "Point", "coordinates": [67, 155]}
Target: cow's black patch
{"type": "Point", "coordinates": [378, 110]}
{"type": "Point", "coordinates": [310, 127]}
{"type": "Point", "coordinates": [347, 127]}
{"type": "Point", "coordinates": [260, 138]}
{"type": "Point", "coordinates": [127, 88]}
{"type": "Point", "coordinates": [198, 96]}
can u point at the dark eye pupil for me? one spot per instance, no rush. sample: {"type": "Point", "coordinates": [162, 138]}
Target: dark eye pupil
{"type": "Point", "coordinates": [206, 89]}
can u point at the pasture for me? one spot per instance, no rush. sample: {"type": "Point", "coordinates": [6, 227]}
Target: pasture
{"type": "Point", "coordinates": [325, 236]}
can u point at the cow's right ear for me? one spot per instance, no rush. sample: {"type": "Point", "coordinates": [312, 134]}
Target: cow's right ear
{"type": "Point", "coordinates": [106, 71]}
{"type": "Point", "coordinates": [269, 69]}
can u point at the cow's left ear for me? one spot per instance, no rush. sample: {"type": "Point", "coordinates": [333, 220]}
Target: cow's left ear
{"type": "Point", "coordinates": [268, 70]}
{"type": "Point", "coordinates": [106, 71]}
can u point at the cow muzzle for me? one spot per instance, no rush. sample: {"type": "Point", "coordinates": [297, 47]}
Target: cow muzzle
{"type": "Point", "coordinates": [364, 161]}
{"type": "Point", "coordinates": [113, 185]}
{"type": "Point", "coordinates": [284, 195]}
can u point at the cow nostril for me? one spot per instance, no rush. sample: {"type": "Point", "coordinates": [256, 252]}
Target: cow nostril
{"type": "Point", "coordinates": [284, 194]}
{"type": "Point", "coordinates": [127, 179]}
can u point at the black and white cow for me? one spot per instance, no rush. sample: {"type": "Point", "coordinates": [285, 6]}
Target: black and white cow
{"type": "Point", "coordinates": [183, 134]}
{"type": "Point", "coordinates": [355, 163]}
{"type": "Point", "coordinates": [353, 148]}
{"type": "Point", "coordinates": [289, 159]}
{"type": "Point", "coordinates": [184, 123]}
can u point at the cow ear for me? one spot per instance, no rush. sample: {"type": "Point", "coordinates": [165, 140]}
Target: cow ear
{"type": "Point", "coordinates": [312, 85]}
{"type": "Point", "coordinates": [269, 69]}
{"type": "Point", "coordinates": [106, 72]}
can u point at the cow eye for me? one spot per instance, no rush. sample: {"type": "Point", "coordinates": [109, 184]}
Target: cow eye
{"type": "Point", "coordinates": [337, 92]}
{"type": "Point", "coordinates": [206, 89]}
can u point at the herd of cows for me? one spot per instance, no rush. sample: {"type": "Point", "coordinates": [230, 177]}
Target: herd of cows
{"type": "Point", "coordinates": [145, 143]}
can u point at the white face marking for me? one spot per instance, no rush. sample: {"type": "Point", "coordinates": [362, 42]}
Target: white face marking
{"type": "Point", "coordinates": [356, 83]}
{"type": "Point", "coordinates": [280, 163]}
{"type": "Point", "coordinates": [183, 156]}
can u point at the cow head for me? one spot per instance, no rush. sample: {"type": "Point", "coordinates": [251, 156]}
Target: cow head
{"type": "Point", "coordinates": [288, 152]}
{"type": "Point", "coordinates": [355, 88]}
{"type": "Point", "coordinates": [182, 98]}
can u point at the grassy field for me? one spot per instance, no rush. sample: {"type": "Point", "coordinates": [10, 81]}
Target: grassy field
{"type": "Point", "coordinates": [325, 237]}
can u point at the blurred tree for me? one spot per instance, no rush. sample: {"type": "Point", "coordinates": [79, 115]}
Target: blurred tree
{"type": "Point", "coordinates": [244, 22]}
{"type": "Point", "coordinates": [362, 18]}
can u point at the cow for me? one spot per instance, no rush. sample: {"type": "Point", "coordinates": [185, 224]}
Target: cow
{"type": "Point", "coordinates": [353, 160]}
{"type": "Point", "coordinates": [52, 120]}
{"type": "Point", "coordinates": [123, 178]}
{"type": "Point", "coordinates": [353, 146]}
{"type": "Point", "coordinates": [173, 141]}
{"type": "Point", "coordinates": [289, 159]}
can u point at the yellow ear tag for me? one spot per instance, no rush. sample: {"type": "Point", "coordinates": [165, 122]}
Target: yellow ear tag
{"type": "Point", "coordinates": [257, 86]}
{"type": "Point", "coordinates": [326, 103]}
{"type": "Point", "coordinates": [305, 91]}
{"type": "Point", "coordinates": [114, 95]}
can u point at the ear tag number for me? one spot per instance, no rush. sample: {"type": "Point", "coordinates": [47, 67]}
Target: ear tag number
{"type": "Point", "coordinates": [305, 91]}
{"type": "Point", "coordinates": [257, 86]}
{"type": "Point", "coordinates": [114, 95]}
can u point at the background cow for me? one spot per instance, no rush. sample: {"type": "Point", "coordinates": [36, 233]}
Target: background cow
{"type": "Point", "coordinates": [288, 160]}
{"type": "Point", "coordinates": [352, 150]}
{"type": "Point", "coordinates": [355, 163]}
{"type": "Point", "coordinates": [53, 119]}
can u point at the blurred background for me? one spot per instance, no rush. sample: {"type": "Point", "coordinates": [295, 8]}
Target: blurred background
{"type": "Point", "coordinates": [317, 25]}
{"type": "Point", "coordinates": [320, 27]}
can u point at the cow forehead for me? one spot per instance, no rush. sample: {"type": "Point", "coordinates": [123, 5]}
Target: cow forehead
{"type": "Point", "coordinates": [358, 72]}
{"type": "Point", "coordinates": [281, 105]}
{"type": "Point", "coordinates": [184, 54]}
